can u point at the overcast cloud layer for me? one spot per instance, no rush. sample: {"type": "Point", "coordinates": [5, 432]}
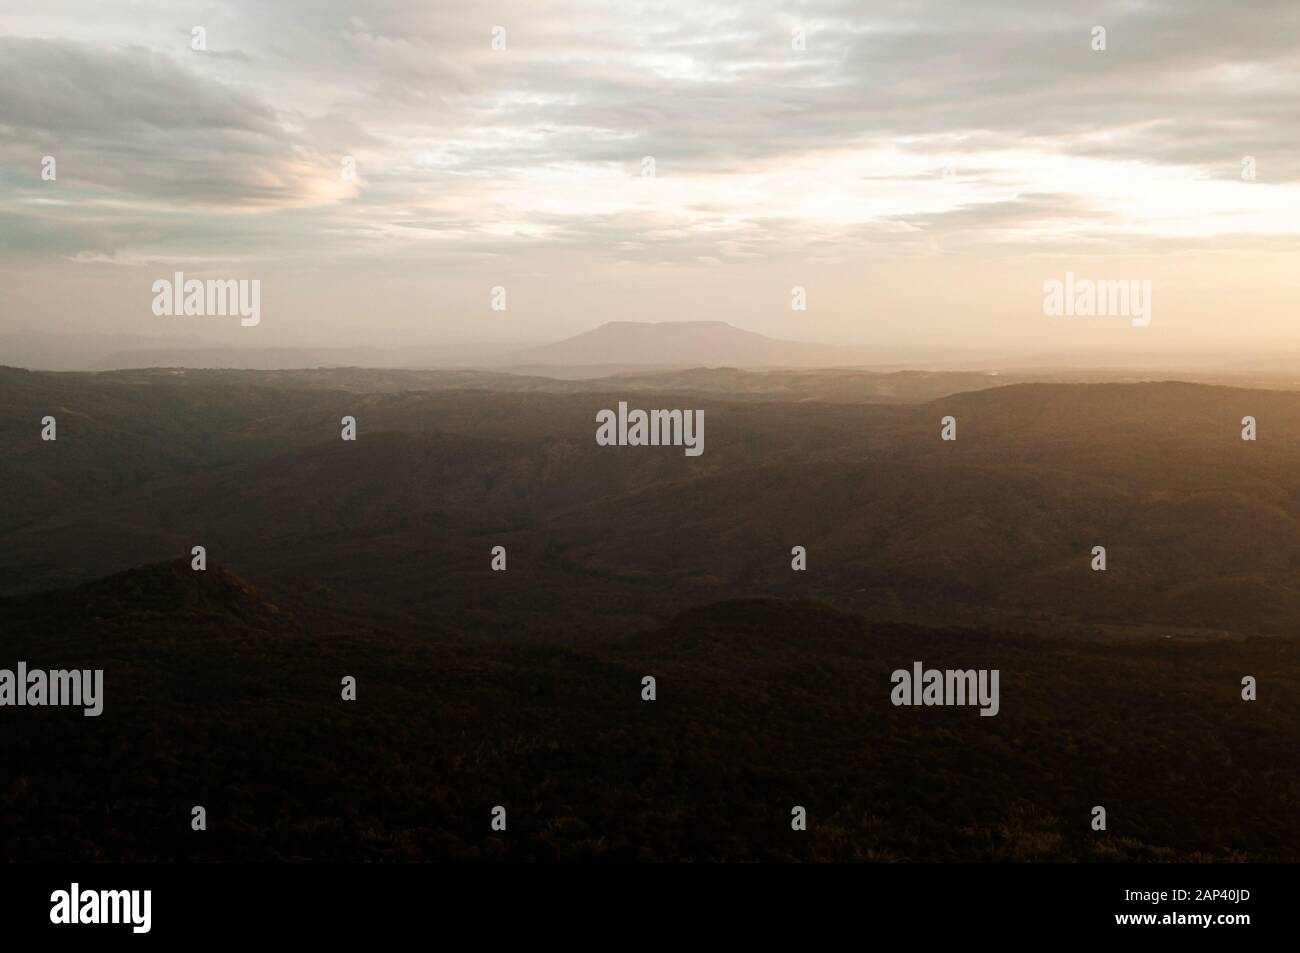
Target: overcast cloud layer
{"type": "Point", "coordinates": [920, 167]}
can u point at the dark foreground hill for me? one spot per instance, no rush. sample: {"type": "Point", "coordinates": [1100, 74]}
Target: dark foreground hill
{"type": "Point", "coordinates": [216, 697]}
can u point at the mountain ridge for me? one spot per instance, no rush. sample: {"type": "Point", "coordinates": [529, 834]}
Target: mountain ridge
{"type": "Point", "coordinates": [709, 343]}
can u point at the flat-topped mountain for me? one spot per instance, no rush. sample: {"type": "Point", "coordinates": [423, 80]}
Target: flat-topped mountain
{"type": "Point", "coordinates": [683, 344]}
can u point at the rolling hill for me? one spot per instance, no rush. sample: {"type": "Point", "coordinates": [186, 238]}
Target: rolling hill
{"type": "Point", "coordinates": [215, 696]}
{"type": "Point", "coordinates": [994, 529]}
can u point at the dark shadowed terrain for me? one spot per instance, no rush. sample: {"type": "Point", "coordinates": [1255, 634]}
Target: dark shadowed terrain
{"type": "Point", "coordinates": [523, 688]}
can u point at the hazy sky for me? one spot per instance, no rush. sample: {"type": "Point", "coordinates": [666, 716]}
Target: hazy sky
{"type": "Point", "coordinates": [921, 168]}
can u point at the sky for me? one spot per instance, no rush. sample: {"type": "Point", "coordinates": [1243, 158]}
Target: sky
{"type": "Point", "coordinates": [920, 169]}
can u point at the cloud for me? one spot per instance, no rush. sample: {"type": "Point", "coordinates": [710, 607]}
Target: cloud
{"type": "Point", "coordinates": [764, 154]}
{"type": "Point", "coordinates": [136, 125]}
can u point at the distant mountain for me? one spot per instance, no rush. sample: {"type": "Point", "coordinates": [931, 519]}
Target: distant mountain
{"type": "Point", "coordinates": [246, 358]}
{"type": "Point", "coordinates": [614, 347]}
{"type": "Point", "coordinates": [40, 350]}
{"type": "Point", "coordinates": [632, 347]}
{"type": "Point", "coordinates": [683, 344]}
